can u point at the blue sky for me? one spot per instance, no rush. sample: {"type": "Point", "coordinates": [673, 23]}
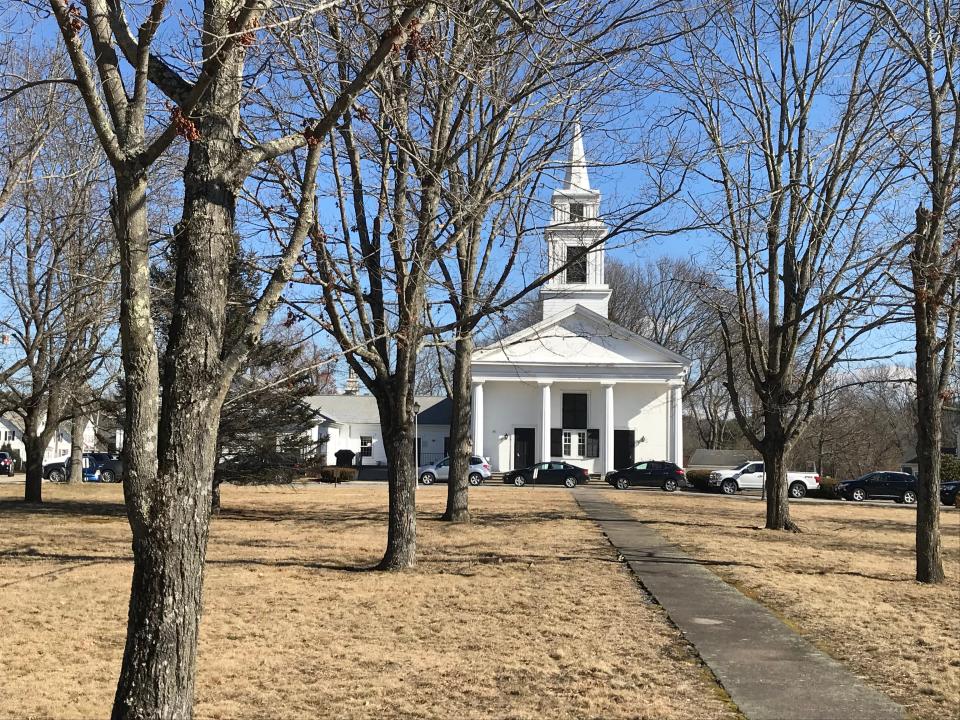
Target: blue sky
{"type": "Point", "coordinates": [621, 181]}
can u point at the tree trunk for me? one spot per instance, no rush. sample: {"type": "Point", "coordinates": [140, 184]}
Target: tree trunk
{"type": "Point", "coordinates": [929, 435]}
{"type": "Point", "coordinates": [215, 498]}
{"type": "Point", "coordinates": [159, 659]}
{"type": "Point", "coordinates": [775, 483]}
{"type": "Point", "coordinates": [75, 475]}
{"type": "Point", "coordinates": [397, 425]}
{"type": "Point", "coordinates": [170, 516]}
{"type": "Point", "coordinates": [458, 484]}
{"type": "Point", "coordinates": [33, 445]}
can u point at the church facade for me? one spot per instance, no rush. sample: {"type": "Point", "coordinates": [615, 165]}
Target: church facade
{"type": "Point", "coordinates": [575, 386]}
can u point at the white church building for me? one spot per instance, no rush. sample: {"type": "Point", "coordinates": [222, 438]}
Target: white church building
{"type": "Point", "coordinates": [575, 386]}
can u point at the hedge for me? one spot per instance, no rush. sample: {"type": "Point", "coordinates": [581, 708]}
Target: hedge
{"type": "Point", "coordinates": [335, 474]}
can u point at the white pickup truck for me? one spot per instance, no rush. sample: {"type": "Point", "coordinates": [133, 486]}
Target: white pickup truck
{"type": "Point", "coordinates": [750, 476]}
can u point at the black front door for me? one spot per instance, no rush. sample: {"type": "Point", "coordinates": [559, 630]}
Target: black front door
{"type": "Point", "coordinates": [524, 447]}
{"type": "Point", "coordinates": [623, 449]}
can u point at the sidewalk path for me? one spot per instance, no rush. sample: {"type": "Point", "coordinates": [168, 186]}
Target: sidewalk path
{"type": "Point", "coordinates": [769, 671]}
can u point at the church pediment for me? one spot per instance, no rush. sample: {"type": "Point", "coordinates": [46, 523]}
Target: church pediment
{"type": "Point", "coordinates": [578, 337]}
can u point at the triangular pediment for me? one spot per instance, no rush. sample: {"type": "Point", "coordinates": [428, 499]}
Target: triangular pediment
{"type": "Point", "coordinates": [577, 336]}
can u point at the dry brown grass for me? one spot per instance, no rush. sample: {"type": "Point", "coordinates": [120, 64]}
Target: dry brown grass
{"type": "Point", "coordinates": [524, 614]}
{"type": "Point", "coordinates": [846, 583]}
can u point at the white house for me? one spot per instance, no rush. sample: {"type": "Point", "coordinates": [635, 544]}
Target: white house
{"type": "Point", "coordinates": [575, 386]}
{"type": "Point", "coordinates": [11, 433]}
{"type": "Point", "coordinates": [352, 422]}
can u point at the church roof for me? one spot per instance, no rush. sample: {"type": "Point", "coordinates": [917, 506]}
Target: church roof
{"type": "Point", "coordinates": [578, 342]}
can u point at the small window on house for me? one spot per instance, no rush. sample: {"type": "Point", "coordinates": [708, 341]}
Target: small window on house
{"type": "Point", "coordinates": [576, 212]}
{"type": "Point", "coordinates": [576, 264]}
{"type": "Point", "coordinates": [366, 446]}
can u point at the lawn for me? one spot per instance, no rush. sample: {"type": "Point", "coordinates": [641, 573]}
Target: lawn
{"type": "Point", "coordinates": [846, 583]}
{"type": "Point", "coordinates": [524, 614]}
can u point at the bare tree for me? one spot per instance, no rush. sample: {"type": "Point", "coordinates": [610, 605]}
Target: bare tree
{"type": "Point", "coordinates": [925, 125]}
{"type": "Point", "coordinates": [59, 265]}
{"type": "Point", "coordinates": [28, 112]}
{"type": "Point", "coordinates": [172, 406]}
{"type": "Point", "coordinates": [674, 302]}
{"type": "Point", "coordinates": [794, 177]}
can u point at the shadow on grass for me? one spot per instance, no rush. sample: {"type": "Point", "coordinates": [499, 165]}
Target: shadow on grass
{"type": "Point", "coordinates": [31, 553]}
{"type": "Point", "coordinates": [76, 508]}
{"type": "Point", "coordinates": [654, 557]}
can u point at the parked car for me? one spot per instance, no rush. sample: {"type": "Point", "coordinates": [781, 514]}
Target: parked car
{"type": "Point", "coordinates": [97, 467]}
{"type": "Point", "coordinates": [440, 470]}
{"type": "Point", "coordinates": [750, 476]}
{"type": "Point", "coordinates": [110, 466]}
{"type": "Point", "coordinates": [948, 492]}
{"type": "Point", "coordinates": [6, 464]}
{"type": "Point", "coordinates": [59, 471]}
{"type": "Point", "coordinates": [548, 473]}
{"type": "Point", "coordinates": [649, 473]}
{"type": "Point", "coordinates": [898, 486]}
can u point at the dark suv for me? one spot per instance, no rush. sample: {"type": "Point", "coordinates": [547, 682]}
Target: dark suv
{"type": "Point", "coordinates": [884, 485]}
{"type": "Point", "coordinates": [649, 473]}
{"type": "Point", "coordinates": [6, 464]}
{"type": "Point", "coordinates": [109, 465]}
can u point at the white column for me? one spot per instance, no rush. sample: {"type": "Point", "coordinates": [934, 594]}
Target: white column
{"type": "Point", "coordinates": [544, 422]}
{"type": "Point", "coordinates": [676, 408]}
{"type": "Point", "coordinates": [608, 427]}
{"type": "Point", "coordinates": [477, 410]}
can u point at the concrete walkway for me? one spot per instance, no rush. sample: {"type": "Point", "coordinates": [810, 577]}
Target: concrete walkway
{"type": "Point", "coordinates": [769, 671]}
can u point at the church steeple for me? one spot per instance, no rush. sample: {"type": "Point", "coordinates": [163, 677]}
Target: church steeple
{"type": "Point", "coordinates": [574, 238]}
{"type": "Point", "coordinates": [576, 176]}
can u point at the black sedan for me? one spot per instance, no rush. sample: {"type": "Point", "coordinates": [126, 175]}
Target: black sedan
{"type": "Point", "coordinates": [948, 492]}
{"type": "Point", "coordinates": [544, 473]}
{"type": "Point", "coordinates": [650, 473]}
{"type": "Point", "coordinates": [898, 486]}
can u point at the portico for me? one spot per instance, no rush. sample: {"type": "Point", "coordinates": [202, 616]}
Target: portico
{"type": "Point", "coordinates": [596, 424]}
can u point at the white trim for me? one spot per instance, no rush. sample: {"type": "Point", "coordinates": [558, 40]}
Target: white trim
{"type": "Point", "coordinates": [549, 372]}
{"type": "Point", "coordinates": [545, 415]}
{"type": "Point", "coordinates": [614, 330]}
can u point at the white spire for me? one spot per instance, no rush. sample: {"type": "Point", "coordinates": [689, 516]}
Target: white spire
{"type": "Point", "coordinates": [576, 177]}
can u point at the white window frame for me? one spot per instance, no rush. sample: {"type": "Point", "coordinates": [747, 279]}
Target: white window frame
{"type": "Point", "coordinates": [368, 447]}
{"type": "Point", "coordinates": [571, 438]}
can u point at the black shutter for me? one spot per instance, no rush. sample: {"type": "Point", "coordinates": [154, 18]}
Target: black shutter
{"type": "Point", "coordinates": [593, 444]}
{"type": "Point", "coordinates": [574, 410]}
{"type": "Point", "coordinates": [556, 442]}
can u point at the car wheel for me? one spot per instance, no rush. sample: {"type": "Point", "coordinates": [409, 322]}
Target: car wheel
{"type": "Point", "coordinates": [57, 476]}
{"type": "Point", "coordinates": [728, 487]}
{"type": "Point", "coordinates": [670, 485]}
{"type": "Point", "coordinates": [427, 479]}
{"type": "Point", "coordinates": [519, 480]}
{"type": "Point", "coordinates": [798, 490]}
{"type": "Point", "coordinates": [622, 483]}
{"type": "Point", "coordinates": [910, 497]}
{"type": "Point", "coordinates": [108, 476]}
{"type": "Point", "coordinates": [570, 482]}
{"type": "Point", "coordinates": [859, 494]}
{"type": "Point", "coordinates": [475, 479]}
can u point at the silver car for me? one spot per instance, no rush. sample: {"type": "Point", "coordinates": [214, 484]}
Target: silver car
{"type": "Point", "coordinates": [440, 470]}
